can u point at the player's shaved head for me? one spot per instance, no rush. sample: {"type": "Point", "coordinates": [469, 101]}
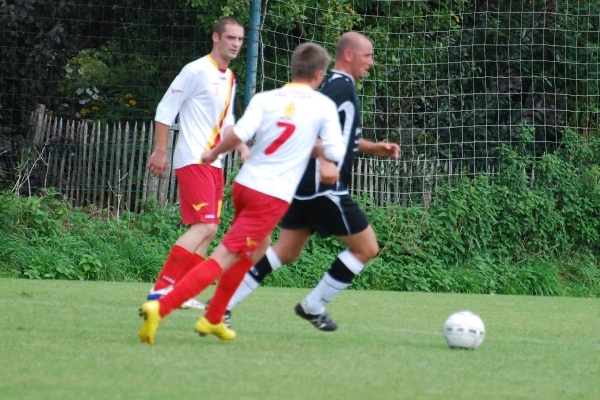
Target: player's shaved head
{"type": "Point", "coordinates": [354, 54]}
{"type": "Point", "coordinates": [349, 41]}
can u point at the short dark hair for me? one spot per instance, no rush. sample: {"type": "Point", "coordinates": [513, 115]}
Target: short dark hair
{"type": "Point", "coordinates": [223, 22]}
{"type": "Point", "coordinates": [307, 59]}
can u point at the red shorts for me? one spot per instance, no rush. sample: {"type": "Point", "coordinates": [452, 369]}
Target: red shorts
{"type": "Point", "coordinates": [256, 215]}
{"type": "Point", "coordinates": [200, 193]}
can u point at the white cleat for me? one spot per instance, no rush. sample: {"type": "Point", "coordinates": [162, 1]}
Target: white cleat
{"type": "Point", "coordinates": [157, 294]}
{"type": "Point", "coordinates": [193, 304]}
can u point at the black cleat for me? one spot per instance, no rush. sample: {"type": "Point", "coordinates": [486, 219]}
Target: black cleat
{"type": "Point", "coordinates": [321, 321]}
{"type": "Point", "coordinates": [227, 318]}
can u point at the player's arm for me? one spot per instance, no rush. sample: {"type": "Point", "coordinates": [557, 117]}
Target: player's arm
{"type": "Point", "coordinates": [244, 151]}
{"type": "Point", "coordinates": [334, 148]}
{"type": "Point", "coordinates": [166, 112]}
{"type": "Point", "coordinates": [157, 163]}
{"type": "Point", "coordinates": [379, 149]}
{"type": "Point", "coordinates": [317, 149]}
{"type": "Point", "coordinates": [328, 171]}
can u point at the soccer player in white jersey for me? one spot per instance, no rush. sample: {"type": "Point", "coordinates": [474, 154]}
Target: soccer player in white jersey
{"type": "Point", "coordinates": [324, 208]}
{"type": "Point", "coordinates": [202, 95]}
{"type": "Point", "coordinates": [286, 124]}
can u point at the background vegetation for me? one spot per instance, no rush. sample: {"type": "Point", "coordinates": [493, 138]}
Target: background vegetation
{"type": "Point", "coordinates": [533, 229]}
{"type": "Point", "coordinates": [492, 83]}
{"type": "Point", "coordinates": [462, 73]}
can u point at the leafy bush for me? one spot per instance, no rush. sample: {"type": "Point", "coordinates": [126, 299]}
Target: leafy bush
{"type": "Point", "coordinates": [97, 86]}
{"type": "Point", "coordinates": [515, 233]}
{"type": "Point", "coordinates": [531, 229]}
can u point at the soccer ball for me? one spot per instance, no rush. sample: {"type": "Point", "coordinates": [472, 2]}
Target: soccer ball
{"type": "Point", "coordinates": [464, 330]}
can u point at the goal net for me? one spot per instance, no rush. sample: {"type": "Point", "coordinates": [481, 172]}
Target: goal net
{"type": "Point", "coordinates": [452, 81]}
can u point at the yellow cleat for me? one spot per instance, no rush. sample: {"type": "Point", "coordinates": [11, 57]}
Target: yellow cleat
{"type": "Point", "coordinates": [204, 327]}
{"type": "Point", "coordinates": [152, 318]}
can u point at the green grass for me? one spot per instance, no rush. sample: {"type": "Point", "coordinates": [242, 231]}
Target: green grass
{"type": "Point", "coordinates": [77, 340]}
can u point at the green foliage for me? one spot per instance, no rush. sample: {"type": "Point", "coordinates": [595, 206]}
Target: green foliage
{"type": "Point", "coordinates": [48, 239]}
{"type": "Point", "coordinates": [532, 229]}
{"type": "Point", "coordinates": [37, 38]}
{"type": "Point", "coordinates": [97, 86]}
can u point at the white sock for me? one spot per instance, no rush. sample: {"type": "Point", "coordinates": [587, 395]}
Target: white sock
{"type": "Point", "coordinates": [329, 287]}
{"type": "Point", "coordinates": [246, 287]}
{"type": "Point", "coordinates": [250, 281]}
{"type": "Point", "coordinates": [322, 295]}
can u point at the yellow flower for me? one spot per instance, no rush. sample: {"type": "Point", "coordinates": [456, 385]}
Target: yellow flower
{"type": "Point", "coordinates": [132, 102]}
{"type": "Point", "coordinates": [128, 96]}
{"type": "Point", "coordinates": [95, 108]}
{"type": "Point", "coordinates": [147, 111]}
{"type": "Point", "coordinates": [84, 111]}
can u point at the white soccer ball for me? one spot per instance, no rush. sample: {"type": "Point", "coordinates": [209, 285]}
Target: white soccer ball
{"type": "Point", "coordinates": [464, 330]}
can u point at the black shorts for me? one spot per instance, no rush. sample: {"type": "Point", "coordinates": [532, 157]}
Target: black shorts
{"type": "Point", "coordinates": [328, 215]}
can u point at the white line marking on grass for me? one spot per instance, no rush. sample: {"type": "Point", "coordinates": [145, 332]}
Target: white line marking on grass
{"type": "Point", "coordinates": [369, 328]}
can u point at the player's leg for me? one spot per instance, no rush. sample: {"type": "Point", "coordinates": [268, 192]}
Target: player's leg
{"type": "Point", "coordinates": [228, 283]}
{"type": "Point", "coordinates": [354, 231]}
{"type": "Point", "coordinates": [187, 252]}
{"type": "Point", "coordinates": [287, 249]}
{"type": "Point", "coordinates": [295, 232]}
{"type": "Point", "coordinates": [361, 248]}
{"type": "Point", "coordinates": [256, 216]}
{"type": "Point", "coordinates": [201, 196]}
{"type": "Point", "coordinates": [198, 279]}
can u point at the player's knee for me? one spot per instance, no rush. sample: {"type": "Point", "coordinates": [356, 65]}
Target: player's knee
{"type": "Point", "coordinates": [286, 254]}
{"type": "Point", "coordinates": [370, 250]}
{"type": "Point", "coordinates": [289, 257]}
{"type": "Point", "coordinates": [205, 231]}
{"type": "Point", "coordinates": [365, 250]}
{"type": "Point", "coordinates": [211, 230]}
{"type": "Point", "coordinates": [373, 250]}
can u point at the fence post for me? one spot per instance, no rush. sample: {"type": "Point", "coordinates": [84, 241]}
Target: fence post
{"type": "Point", "coordinates": [36, 122]}
{"type": "Point", "coordinates": [140, 192]}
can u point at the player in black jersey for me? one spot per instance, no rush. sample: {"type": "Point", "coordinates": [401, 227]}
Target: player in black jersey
{"type": "Point", "coordinates": [328, 209]}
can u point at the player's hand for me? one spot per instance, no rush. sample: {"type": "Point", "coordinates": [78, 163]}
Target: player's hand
{"type": "Point", "coordinates": [157, 163]}
{"type": "Point", "coordinates": [385, 149]}
{"type": "Point", "coordinates": [328, 172]}
{"type": "Point", "coordinates": [244, 152]}
{"type": "Point", "coordinates": [208, 157]}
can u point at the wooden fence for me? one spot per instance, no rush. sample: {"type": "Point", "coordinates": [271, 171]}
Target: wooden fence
{"type": "Point", "coordinates": [105, 166]}
{"type": "Point", "coordinates": [101, 165]}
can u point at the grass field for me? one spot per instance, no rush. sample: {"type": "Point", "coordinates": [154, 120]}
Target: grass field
{"type": "Point", "coordinates": [78, 340]}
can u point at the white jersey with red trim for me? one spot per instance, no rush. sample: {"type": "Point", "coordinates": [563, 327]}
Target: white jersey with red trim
{"type": "Point", "coordinates": [202, 95]}
{"type": "Point", "coordinates": [287, 123]}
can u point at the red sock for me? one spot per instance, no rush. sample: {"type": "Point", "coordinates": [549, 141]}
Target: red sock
{"type": "Point", "coordinates": [191, 285]}
{"type": "Point", "coordinates": [226, 288]}
{"type": "Point", "coordinates": [193, 262]}
{"type": "Point", "coordinates": [177, 259]}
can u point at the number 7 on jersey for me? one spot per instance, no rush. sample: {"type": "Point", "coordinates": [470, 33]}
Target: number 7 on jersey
{"type": "Point", "coordinates": [288, 130]}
